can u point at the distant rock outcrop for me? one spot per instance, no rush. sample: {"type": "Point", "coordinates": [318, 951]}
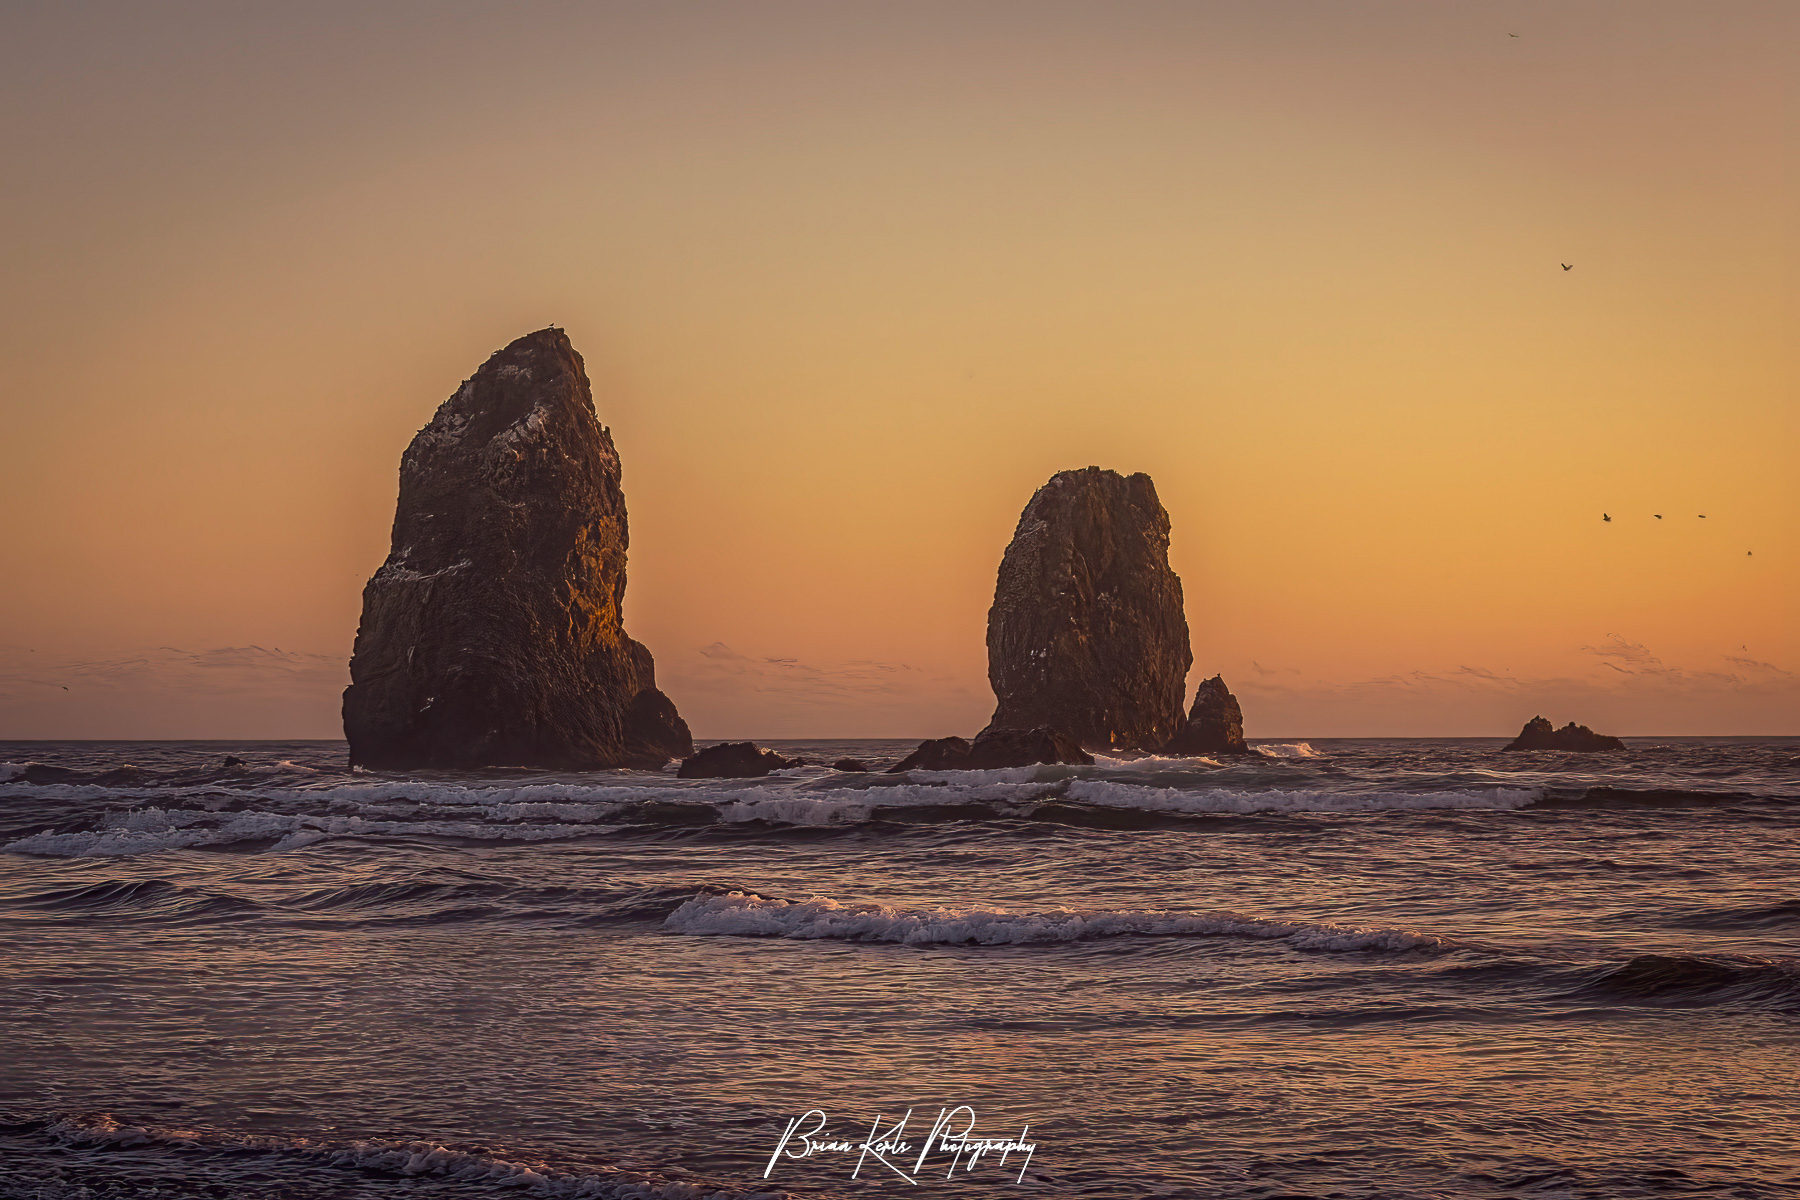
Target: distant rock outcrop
{"type": "Point", "coordinates": [733, 760]}
{"type": "Point", "coordinates": [1215, 725]}
{"type": "Point", "coordinates": [1539, 735]}
{"type": "Point", "coordinates": [1087, 634]}
{"type": "Point", "coordinates": [491, 636]}
{"type": "Point", "coordinates": [994, 749]}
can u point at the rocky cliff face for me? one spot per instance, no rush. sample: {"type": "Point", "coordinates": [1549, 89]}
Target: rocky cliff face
{"type": "Point", "coordinates": [1087, 634]}
{"type": "Point", "coordinates": [1215, 725]}
{"type": "Point", "coordinates": [1538, 734]}
{"type": "Point", "coordinates": [491, 636]}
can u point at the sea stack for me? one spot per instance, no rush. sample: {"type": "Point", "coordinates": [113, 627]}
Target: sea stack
{"type": "Point", "coordinates": [491, 636]}
{"type": "Point", "coordinates": [1539, 735]}
{"type": "Point", "coordinates": [1215, 725]}
{"type": "Point", "coordinates": [1087, 635]}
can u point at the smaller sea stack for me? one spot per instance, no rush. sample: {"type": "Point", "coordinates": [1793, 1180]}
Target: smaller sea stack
{"type": "Point", "coordinates": [1215, 724]}
{"type": "Point", "coordinates": [1539, 735]}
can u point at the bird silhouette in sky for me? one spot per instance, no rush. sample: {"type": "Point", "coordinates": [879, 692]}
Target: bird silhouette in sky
{"type": "Point", "coordinates": [1568, 266]}
{"type": "Point", "coordinates": [1658, 516]}
{"type": "Point", "coordinates": [1703, 516]}
{"type": "Point", "coordinates": [1606, 516]}
{"type": "Point", "coordinates": [1512, 35]}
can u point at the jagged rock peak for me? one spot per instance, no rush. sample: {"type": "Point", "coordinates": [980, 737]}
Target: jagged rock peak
{"type": "Point", "coordinates": [492, 635]}
{"type": "Point", "coordinates": [1087, 634]}
{"type": "Point", "coordinates": [1215, 724]}
{"type": "Point", "coordinates": [1538, 734]}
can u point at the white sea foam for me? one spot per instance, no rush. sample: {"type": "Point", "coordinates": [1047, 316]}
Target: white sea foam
{"type": "Point", "coordinates": [1153, 762]}
{"type": "Point", "coordinates": [741, 914]}
{"type": "Point", "coordinates": [11, 771]}
{"type": "Point", "coordinates": [1287, 750]}
{"type": "Point", "coordinates": [154, 830]}
{"type": "Point", "coordinates": [1229, 800]}
{"type": "Point", "coordinates": [421, 1158]}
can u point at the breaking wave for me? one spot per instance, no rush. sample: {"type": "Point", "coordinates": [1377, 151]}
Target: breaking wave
{"type": "Point", "coordinates": [529, 1175]}
{"type": "Point", "coordinates": [745, 914]}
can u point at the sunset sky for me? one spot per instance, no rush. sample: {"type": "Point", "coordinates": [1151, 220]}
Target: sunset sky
{"type": "Point", "coordinates": [852, 279]}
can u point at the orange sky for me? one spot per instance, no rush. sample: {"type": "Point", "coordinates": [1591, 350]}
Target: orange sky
{"type": "Point", "coordinates": [852, 280]}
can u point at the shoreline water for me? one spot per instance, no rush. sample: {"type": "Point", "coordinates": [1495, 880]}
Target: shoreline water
{"type": "Point", "coordinates": [1373, 968]}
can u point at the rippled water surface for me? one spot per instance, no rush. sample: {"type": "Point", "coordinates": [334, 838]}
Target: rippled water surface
{"type": "Point", "coordinates": [1345, 968]}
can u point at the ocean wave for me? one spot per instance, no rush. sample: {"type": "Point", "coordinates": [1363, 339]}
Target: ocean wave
{"type": "Point", "coordinates": [1232, 800]}
{"type": "Point", "coordinates": [745, 914]}
{"type": "Point", "coordinates": [1696, 981]}
{"type": "Point", "coordinates": [154, 830]}
{"type": "Point", "coordinates": [531, 1175]}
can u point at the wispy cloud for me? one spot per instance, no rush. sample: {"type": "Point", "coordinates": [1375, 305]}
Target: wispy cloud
{"type": "Point", "coordinates": [1628, 687]}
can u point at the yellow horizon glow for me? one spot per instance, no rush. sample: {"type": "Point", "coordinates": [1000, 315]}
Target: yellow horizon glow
{"type": "Point", "coordinates": [851, 282]}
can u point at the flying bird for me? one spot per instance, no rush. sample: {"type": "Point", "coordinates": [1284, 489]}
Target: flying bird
{"type": "Point", "coordinates": [1703, 516]}
{"type": "Point", "coordinates": [1606, 516]}
{"type": "Point", "coordinates": [1512, 35]}
{"type": "Point", "coordinates": [1658, 516]}
{"type": "Point", "coordinates": [1568, 266]}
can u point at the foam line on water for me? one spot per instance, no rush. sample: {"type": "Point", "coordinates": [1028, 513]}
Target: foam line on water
{"type": "Point", "coordinates": [417, 1158]}
{"type": "Point", "coordinates": [745, 914]}
{"type": "Point", "coordinates": [1107, 794]}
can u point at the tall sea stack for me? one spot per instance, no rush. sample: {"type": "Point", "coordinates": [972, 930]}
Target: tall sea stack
{"type": "Point", "coordinates": [1087, 634]}
{"type": "Point", "coordinates": [491, 636]}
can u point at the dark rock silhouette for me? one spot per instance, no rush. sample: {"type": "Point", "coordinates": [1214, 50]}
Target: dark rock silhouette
{"type": "Point", "coordinates": [733, 760]}
{"type": "Point", "coordinates": [993, 749]}
{"type": "Point", "coordinates": [1087, 633]}
{"type": "Point", "coordinates": [491, 636]}
{"type": "Point", "coordinates": [935, 754]}
{"type": "Point", "coordinates": [1215, 725]}
{"type": "Point", "coordinates": [1538, 735]}
{"type": "Point", "coordinates": [850, 764]}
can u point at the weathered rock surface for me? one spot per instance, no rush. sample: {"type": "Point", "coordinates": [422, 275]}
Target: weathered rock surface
{"type": "Point", "coordinates": [1215, 725]}
{"type": "Point", "coordinates": [1087, 634]}
{"type": "Point", "coordinates": [993, 749]}
{"type": "Point", "coordinates": [733, 760]}
{"type": "Point", "coordinates": [1539, 735]}
{"type": "Point", "coordinates": [935, 754]}
{"type": "Point", "coordinates": [491, 636]}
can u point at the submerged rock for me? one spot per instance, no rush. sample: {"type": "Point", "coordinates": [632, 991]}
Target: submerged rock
{"type": "Point", "coordinates": [993, 749]}
{"type": "Point", "coordinates": [1215, 725]}
{"type": "Point", "coordinates": [1087, 633]}
{"type": "Point", "coordinates": [733, 760]}
{"type": "Point", "coordinates": [491, 636]}
{"type": "Point", "coordinates": [1539, 735]}
{"type": "Point", "coordinates": [850, 764]}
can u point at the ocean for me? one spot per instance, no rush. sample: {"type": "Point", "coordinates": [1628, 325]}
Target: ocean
{"type": "Point", "coordinates": [1349, 968]}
